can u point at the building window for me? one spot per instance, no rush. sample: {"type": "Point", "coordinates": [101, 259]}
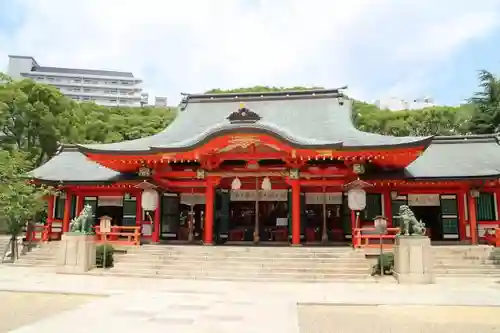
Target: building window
{"type": "Point", "coordinates": [485, 207]}
{"type": "Point", "coordinates": [86, 98]}
{"type": "Point", "coordinates": [113, 82]}
{"type": "Point", "coordinates": [87, 90]}
{"type": "Point", "coordinates": [125, 82]}
{"type": "Point", "coordinates": [77, 81]}
{"type": "Point", "coordinates": [59, 208]}
{"type": "Point", "coordinates": [112, 100]}
{"type": "Point", "coordinates": [373, 206]}
{"type": "Point", "coordinates": [86, 81]}
{"type": "Point", "coordinates": [129, 211]}
{"type": "Point", "coordinates": [50, 78]}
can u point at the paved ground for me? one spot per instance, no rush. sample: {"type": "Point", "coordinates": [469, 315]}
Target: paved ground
{"type": "Point", "coordinates": [19, 309]}
{"type": "Point", "coordinates": [157, 305]}
{"type": "Point", "coordinates": [390, 318]}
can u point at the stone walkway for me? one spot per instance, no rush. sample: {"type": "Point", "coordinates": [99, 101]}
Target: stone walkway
{"type": "Point", "coordinates": [391, 318]}
{"type": "Point", "coordinates": [19, 309]}
{"type": "Point", "coordinates": [157, 305]}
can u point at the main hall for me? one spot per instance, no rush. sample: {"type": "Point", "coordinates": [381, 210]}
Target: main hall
{"type": "Point", "coordinates": [275, 168]}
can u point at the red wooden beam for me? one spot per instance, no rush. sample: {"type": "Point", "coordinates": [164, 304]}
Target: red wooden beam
{"type": "Point", "coordinates": [321, 182]}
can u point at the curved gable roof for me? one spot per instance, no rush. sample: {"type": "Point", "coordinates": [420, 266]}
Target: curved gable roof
{"type": "Point", "coordinates": [306, 119]}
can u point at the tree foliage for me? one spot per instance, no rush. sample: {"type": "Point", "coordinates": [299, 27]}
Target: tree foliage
{"type": "Point", "coordinates": [486, 105]}
{"type": "Point", "coordinates": [20, 201]}
{"type": "Point", "coordinates": [34, 117]}
{"type": "Point", "coordinates": [257, 89]}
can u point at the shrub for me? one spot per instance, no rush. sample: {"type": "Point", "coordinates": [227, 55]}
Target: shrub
{"type": "Point", "coordinates": [99, 258]}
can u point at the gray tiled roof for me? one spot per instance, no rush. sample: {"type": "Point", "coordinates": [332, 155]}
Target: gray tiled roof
{"type": "Point", "coordinates": [82, 71]}
{"type": "Point", "coordinates": [69, 165]}
{"type": "Point", "coordinates": [458, 157]}
{"type": "Point", "coordinates": [307, 119]}
{"type": "Point", "coordinates": [446, 157]}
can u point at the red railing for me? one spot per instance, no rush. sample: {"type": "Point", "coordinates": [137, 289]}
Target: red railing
{"type": "Point", "coordinates": [120, 235]}
{"type": "Point", "coordinates": [368, 237]}
{"type": "Point", "coordinates": [37, 233]}
{"type": "Point", "coordinates": [493, 238]}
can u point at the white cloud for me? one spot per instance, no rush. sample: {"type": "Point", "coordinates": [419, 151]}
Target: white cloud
{"type": "Point", "coordinates": [194, 45]}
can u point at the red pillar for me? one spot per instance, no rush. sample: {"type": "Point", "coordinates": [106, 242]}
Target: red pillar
{"type": "Point", "coordinates": [353, 227]}
{"type": "Point", "coordinates": [157, 218]}
{"type": "Point", "coordinates": [80, 202]}
{"type": "Point", "coordinates": [295, 212]}
{"type": "Point", "coordinates": [209, 214]}
{"type": "Point", "coordinates": [388, 207]}
{"type": "Point", "coordinates": [497, 196]}
{"type": "Point", "coordinates": [461, 204]}
{"type": "Point", "coordinates": [67, 212]}
{"type": "Point", "coordinates": [472, 218]}
{"type": "Point", "coordinates": [138, 209]}
{"type": "Point", "coordinates": [50, 215]}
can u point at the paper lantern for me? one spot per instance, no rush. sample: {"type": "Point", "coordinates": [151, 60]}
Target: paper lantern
{"type": "Point", "coordinates": [266, 184]}
{"type": "Point", "coordinates": [149, 199]}
{"type": "Point", "coordinates": [356, 198]}
{"type": "Point", "coordinates": [236, 184]}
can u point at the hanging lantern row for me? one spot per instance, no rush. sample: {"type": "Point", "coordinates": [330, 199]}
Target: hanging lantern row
{"type": "Point", "coordinates": [266, 184]}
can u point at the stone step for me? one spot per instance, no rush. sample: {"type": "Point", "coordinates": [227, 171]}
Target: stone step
{"type": "Point", "coordinates": [337, 278]}
{"type": "Point", "coordinates": [466, 265]}
{"type": "Point", "coordinates": [246, 255]}
{"type": "Point", "coordinates": [236, 264]}
{"type": "Point", "coordinates": [239, 275]}
{"type": "Point", "coordinates": [249, 269]}
{"type": "Point", "coordinates": [284, 261]}
{"type": "Point", "coordinates": [468, 270]}
{"type": "Point", "coordinates": [217, 251]}
{"type": "Point", "coordinates": [248, 248]}
{"type": "Point", "coordinates": [28, 263]}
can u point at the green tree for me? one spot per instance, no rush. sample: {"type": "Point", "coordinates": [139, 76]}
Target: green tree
{"type": "Point", "coordinates": [258, 89]}
{"type": "Point", "coordinates": [486, 103]}
{"type": "Point", "coordinates": [34, 118]}
{"type": "Point", "coordinates": [114, 124]}
{"type": "Point", "coordinates": [20, 201]}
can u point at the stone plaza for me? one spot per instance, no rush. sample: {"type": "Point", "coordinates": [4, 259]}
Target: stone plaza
{"type": "Point", "coordinates": [34, 300]}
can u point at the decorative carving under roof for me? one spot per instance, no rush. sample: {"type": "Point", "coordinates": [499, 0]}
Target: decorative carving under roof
{"type": "Point", "coordinates": [244, 116]}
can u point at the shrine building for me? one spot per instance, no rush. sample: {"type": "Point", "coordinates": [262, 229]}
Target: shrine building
{"type": "Point", "coordinates": [275, 167]}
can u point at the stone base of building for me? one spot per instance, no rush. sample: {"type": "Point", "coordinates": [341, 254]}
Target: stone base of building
{"type": "Point", "coordinates": [77, 253]}
{"type": "Point", "coordinates": [413, 260]}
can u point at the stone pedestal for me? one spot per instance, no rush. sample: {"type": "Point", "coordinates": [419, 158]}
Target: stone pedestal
{"type": "Point", "coordinates": [413, 260]}
{"type": "Point", "coordinates": [76, 253]}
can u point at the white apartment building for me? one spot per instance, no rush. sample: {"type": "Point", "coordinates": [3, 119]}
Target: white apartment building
{"type": "Point", "coordinates": [109, 88]}
{"type": "Point", "coordinates": [160, 101]}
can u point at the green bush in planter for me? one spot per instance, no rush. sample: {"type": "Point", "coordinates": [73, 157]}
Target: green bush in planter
{"type": "Point", "coordinates": [99, 257]}
{"type": "Point", "coordinates": [385, 262]}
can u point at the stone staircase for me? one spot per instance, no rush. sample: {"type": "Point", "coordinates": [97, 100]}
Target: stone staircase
{"type": "Point", "coordinates": [42, 255]}
{"type": "Point", "coordinates": [465, 261]}
{"type": "Point", "coordinates": [241, 263]}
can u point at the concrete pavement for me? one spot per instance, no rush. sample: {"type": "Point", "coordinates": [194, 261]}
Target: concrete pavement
{"type": "Point", "coordinates": [216, 306]}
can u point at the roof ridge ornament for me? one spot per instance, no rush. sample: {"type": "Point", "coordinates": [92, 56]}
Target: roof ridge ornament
{"type": "Point", "coordinates": [243, 116]}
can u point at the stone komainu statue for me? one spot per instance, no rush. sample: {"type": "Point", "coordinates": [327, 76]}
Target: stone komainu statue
{"type": "Point", "coordinates": [83, 222]}
{"type": "Point", "coordinates": [409, 225]}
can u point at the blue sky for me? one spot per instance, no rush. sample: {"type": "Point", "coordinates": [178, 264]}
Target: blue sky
{"type": "Point", "coordinates": [382, 49]}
